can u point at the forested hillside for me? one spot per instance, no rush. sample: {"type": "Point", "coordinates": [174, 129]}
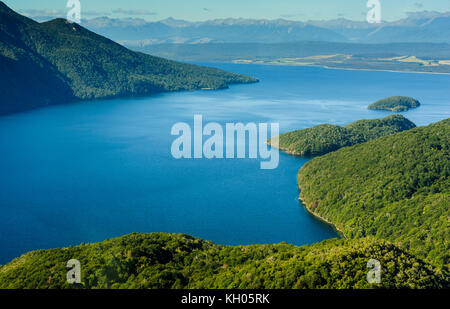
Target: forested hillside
{"type": "Point", "coordinates": [180, 261]}
{"type": "Point", "coordinates": [395, 188]}
{"type": "Point", "coordinates": [57, 62]}
{"type": "Point", "coordinates": [326, 138]}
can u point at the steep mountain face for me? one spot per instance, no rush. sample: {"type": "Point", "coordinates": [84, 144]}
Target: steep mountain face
{"type": "Point", "coordinates": [27, 80]}
{"type": "Point", "coordinates": [57, 62]}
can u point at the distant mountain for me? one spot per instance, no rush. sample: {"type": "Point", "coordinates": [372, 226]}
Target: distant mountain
{"type": "Point", "coordinates": [221, 30]}
{"type": "Point", "coordinates": [353, 31]}
{"type": "Point", "coordinates": [57, 62]}
{"type": "Point", "coordinates": [417, 27]}
{"type": "Point", "coordinates": [129, 28]}
{"type": "Point", "coordinates": [433, 30]}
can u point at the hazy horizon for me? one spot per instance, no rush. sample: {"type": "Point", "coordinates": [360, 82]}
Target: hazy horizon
{"type": "Point", "coordinates": [200, 10]}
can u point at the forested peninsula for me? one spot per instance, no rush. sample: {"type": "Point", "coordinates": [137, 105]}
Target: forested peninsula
{"type": "Point", "coordinates": [326, 138]}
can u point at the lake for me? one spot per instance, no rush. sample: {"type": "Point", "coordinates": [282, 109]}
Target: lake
{"type": "Point", "coordinates": [90, 171]}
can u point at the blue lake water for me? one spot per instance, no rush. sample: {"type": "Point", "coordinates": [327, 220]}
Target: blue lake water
{"type": "Point", "coordinates": [89, 171]}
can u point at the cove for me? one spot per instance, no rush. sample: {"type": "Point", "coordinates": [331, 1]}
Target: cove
{"type": "Point", "coordinates": [90, 171]}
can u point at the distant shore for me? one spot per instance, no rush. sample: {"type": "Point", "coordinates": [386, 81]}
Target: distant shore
{"type": "Point", "coordinates": [337, 68]}
{"type": "Point", "coordinates": [380, 70]}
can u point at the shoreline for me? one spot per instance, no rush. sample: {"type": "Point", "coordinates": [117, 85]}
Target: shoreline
{"type": "Point", "coordinates": [292, 153]}
{"type": "Point", "coordinates": [381, 70]}
{"type": "Point", "coordinates": [345, 69]}
{"type": "Point", "coordinates": [316, 215]}
{"type": "Point", "coordinates": [304, 204]}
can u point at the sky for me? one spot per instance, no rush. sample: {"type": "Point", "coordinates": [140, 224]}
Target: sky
{"type": "Point", "coordinates": [200, 10]}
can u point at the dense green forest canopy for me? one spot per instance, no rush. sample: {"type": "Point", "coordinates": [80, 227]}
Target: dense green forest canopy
{"type": "Point", "coordinates": [326, 138]}
{"type": "Point", "coordinates": [395, 188]}
{"type": "Point", "coordinates": [179, 261]}
{"type": "Point", "coordinates": [57, 61]}
{"type": "Point", "coordinates": [395, 104]}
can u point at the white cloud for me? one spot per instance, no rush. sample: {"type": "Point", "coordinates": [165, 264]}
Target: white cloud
{"type": "Point", "coordinates": [46, 14]}
{"type": "Point", "coordinates": [140, 12]}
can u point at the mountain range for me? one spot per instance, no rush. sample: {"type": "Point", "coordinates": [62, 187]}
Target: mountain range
{"type": "Point", "coordinates": [416, 27]}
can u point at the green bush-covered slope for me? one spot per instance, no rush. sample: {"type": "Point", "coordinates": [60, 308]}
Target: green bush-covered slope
{"type": "Point", "coordinates": [58, 61]}
{"type": "Point", "coordinates": [395, 188]}
{"type": "Point", "coordinates": [395, 104]}
{"type": "Point", "coordinates": [180, 261]}
{"type": "Point", "coordinates": [326, 138]}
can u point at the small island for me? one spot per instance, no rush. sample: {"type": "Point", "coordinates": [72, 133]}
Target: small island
{"type": "Point", "coordinates": [395, 104]}
{"type": "Point", "coordinates": [325, 138]}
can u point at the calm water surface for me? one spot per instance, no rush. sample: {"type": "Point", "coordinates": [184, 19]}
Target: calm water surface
{"type": "Point", "coordinates": [95, 170]}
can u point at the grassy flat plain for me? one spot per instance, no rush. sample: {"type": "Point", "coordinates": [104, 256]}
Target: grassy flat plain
{"type": "Point", "coordinates": [359, 62]}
